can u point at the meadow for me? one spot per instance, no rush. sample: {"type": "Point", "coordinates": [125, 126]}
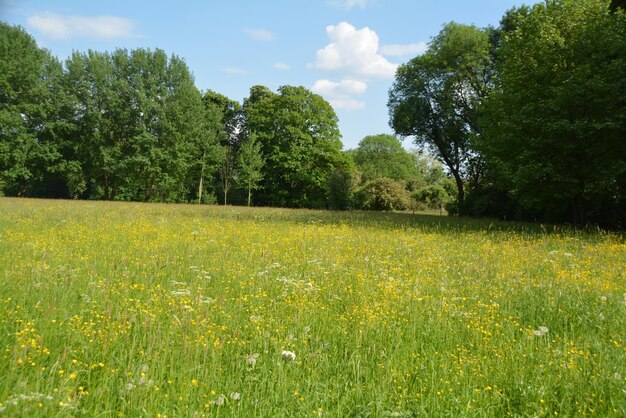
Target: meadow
{"type": "Point", "coordinates": [154, 310]}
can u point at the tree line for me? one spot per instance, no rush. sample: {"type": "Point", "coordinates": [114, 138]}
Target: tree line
{"type": "Point", "coordinates": [526, 120]}
{"type": "Point", "coordinates": [131, 125]}
{"type": "Point", "coordinates": [529, 117]}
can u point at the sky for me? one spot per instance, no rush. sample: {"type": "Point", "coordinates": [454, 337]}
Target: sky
{"type": "Point", "coordinates": [345, 50]}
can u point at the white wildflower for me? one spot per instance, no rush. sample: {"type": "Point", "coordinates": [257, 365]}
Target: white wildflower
{"type": "Point", "coordinates": [251, 359]}
{"type": "Point", "coordinates": [288, 355]}
{"type": "Point", "coordinates": [235, 396]}
{"type": "Point", "coordinates": [220, 400]}
{"type": "Point", "coordinates": [541, 331]}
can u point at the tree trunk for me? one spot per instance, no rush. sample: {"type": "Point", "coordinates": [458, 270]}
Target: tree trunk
{"type": "Point", "coordinates": [201, 179]}
{"type": "Point", "coordinates": [459, 186]}
{"type": "Point", "coordinates": [200, 189]}
{"type": "Point", "coordinates": [249, 195]}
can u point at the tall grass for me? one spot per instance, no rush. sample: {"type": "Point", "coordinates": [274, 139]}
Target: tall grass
{"type": "Point", "coordinates": [113, 309]}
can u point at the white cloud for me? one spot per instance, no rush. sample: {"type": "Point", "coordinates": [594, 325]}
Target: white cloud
{"type": "Point", "coordinates": [234, 71]}
{"type": "Point", "coordinates": [339, 94]}
{"type": "Point", "coordinates": [262, 35]}
{"type": "Point", "coordinates": [282, 66]}
{"type": "Point", "coordinates": [353, 50]}
{"type": "Point", "coordinates": [57, 26]}
{"type": "Point", "coordinates": [400, 50]}
{"type": "Point", "coordinates": [347, 104]}
{"type": "Point", "coordinates": [345, 86]}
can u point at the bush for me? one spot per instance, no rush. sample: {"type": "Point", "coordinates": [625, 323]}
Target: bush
{"type": "Point", "coordinates": [433, 196]}
{"type": "Point", "coordinates": [383, 194]}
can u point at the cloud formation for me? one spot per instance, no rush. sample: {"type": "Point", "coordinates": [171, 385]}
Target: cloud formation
{"type": "Point", "coordinates": [354, 51]}
{"type": "Point", "coordinates": [262, 35]}
{"type": "Point", "coordinates": [344, 86]}
{"type": "Point", "coordinates": [61, 27]}
{"type": "Point", "coordinates": [340, 94]}
{"type": "Point", "coordinates": [400, 50]}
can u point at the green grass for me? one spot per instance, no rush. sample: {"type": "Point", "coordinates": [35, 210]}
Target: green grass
{"type": "Point", "coordinates": [116, 309]}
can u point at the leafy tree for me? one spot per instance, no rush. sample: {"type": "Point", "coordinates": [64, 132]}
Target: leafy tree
{"type": "Point", "coordinates": [251, 164]}
{"type": "Point", "coordinates": [29, 110]}
{"type": "Point", "coordinates": [556, 122]}
{"type": "Point", "coordinates": [300, 143]}
{"type": "Point", "coordinates": [383, 156]}
{"type": "Point", "coordinates": [230, 115]}
{"type": "Point", "coordinates": [141, 130]}
{"type": "Point", "coordinates": [227, 170]}
{"type": "Point", "coordinates": [383, 194]}
{"type": "Point", "coordinates": [436, 97]}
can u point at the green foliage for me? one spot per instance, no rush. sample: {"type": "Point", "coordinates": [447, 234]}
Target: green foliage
{"type": "Point", "coordinates": [432, 196]}
{"type": "Point", "coordinates": [140, 129]}
{"type": "Point", "coordinates": [556, 121]}
{"type": "Point", "coordinates": [250, 164]}
{"type": "Point", "coordinates": [382, 155]}
{"type": "Point", "coordinates": [436, 96]}
{"type": "Point", "coordinates": [30, 99]}
{"type": "Point", "coordinates": [229, 112]}
{"type": "Point", "coordinates": [300, 143]}
{"type": "Point", "coordinates": [383, 194]}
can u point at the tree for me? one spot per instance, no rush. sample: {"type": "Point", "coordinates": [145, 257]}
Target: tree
{"type": "Point", "coordinates": [140, 131]}
{"type": "Point", "coordinates": [300, 143]}
{"type": "Point", "coordinates": [383, 194]}
{"type": "Point", "coordinates": [227, 170]}
{"type": "Point", "coordinates": [380, 156]}
{"type": "Point", "coordinates": [29, 102]}
{"type": "Point", "coordinates": [230, 115]}
{"type": "Point", "coordinates": [436, 97]}
{"type": "Point", "coordinates": [251, 164]}
{"type": "Point", "coordinates": [555, 123]}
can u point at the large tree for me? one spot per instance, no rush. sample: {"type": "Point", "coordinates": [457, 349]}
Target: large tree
{"type": "Point", "coordinates": [30, 98]}
{"type": "Point", "coordinates": [379, 156]}
{"type": "Point", "coordinates": [556, 122]}
{"type": "Point", "coordinates": [300, 143]}
{"type": "Point", "coordinates": [141, 130]}
{"type": "Point", "coordinates": [436, 99]}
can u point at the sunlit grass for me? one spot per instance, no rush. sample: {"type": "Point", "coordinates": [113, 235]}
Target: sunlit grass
{"type": "Point", "coordinates": [112, 309]}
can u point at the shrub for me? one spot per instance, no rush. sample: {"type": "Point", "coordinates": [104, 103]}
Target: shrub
{"type": "Point", "coordinates": [383, 194]}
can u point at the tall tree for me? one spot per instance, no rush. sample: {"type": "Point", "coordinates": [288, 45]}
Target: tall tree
{"type": "Point", "coordinates": [379, 156]}
{"type": "Point", "coordinates": [436, 97]}
{"type": "Point", "coordinates": [556, 122]}
{"type": "Point", "coordinates": [29, 103]}
{"type": "Point", "coordinates": [300, 143]}
{"type": "Point", "coordinates": [251, 164]}
{"type": "Point", "coordinates": [230, 115]}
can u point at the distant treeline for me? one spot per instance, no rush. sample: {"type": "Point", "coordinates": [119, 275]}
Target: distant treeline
{"type": "Point", "coordinates": [528, 118]}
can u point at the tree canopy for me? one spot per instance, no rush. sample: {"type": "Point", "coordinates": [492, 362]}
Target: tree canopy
{"type": "Point", "coordinates": [436, 96]}
{"type": "Point", "coordinates": [556, 120]}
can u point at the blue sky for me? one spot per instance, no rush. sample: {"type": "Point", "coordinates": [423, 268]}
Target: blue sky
{"type": "Point", "coordinates": [345, 50]}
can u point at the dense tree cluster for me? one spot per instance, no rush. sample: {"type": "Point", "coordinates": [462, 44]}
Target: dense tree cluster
{"type": "Point", "coordinates": [131, 125]}
{"type": "Point", "coordinates": [529, 117]}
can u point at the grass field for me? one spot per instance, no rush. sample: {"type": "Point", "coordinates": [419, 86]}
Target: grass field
{"type": "Point", "coordinates": [114, 309]}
